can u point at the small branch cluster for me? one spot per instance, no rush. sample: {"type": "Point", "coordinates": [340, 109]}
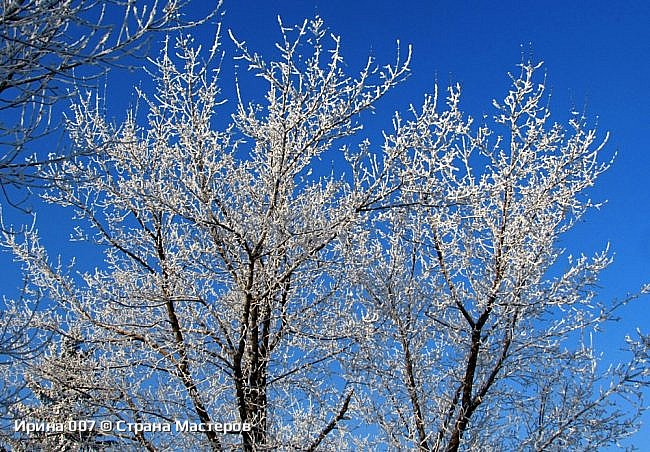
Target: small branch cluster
{"type": "Point", "coordinates": [51, 49]}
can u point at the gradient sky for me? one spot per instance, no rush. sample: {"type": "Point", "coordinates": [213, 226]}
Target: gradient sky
{"type": "Point", "coordinates": [597, 57]}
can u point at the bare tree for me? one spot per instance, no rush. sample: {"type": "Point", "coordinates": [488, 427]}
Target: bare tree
{"type": "Point", "coordinates": [48, 51]}
{"type": "Point", "coordinates": [414, 291]}
{"type": "Point", "coordinates": [64, 389]}
{"type": "Point", "coordinates": [51, 48]}
{"type": "Point", "coordinates": [219, 299]}
{"type": "Point", "coordinates": [482, 334]}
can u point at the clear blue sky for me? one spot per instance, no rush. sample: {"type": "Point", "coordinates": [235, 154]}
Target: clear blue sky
{"type": "Point", "coordinates": [597, 55]}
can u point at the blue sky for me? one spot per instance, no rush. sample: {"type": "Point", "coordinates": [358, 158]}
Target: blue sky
{"type": "Point", "coordinates": [597, 55]}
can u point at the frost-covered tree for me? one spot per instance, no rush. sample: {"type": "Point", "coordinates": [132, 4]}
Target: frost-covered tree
{"type": "Point", "coordinates": [269, 266]}
{"type": "Point", "coordinates": [48, 50]}
{"type": "Point", "coordinates": [219, 297]}
{"type": "Point", "coordinates": [64, 388]}
{"type": "Point", "coordinates": [482, 331]}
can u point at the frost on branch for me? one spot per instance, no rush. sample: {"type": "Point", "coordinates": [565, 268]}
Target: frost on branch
{"type": "Point", "coordinates": [484, 334]}
{"type": "Point", "coordinates": [413, 296]}
{"type": "Point", "coordinates": [51, 49]}
{"type": "Point", "coordinates": [219, 296]}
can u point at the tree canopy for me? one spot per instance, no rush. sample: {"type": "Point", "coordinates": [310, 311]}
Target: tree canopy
{"type": "Point", "coordinates": [271, 266]}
